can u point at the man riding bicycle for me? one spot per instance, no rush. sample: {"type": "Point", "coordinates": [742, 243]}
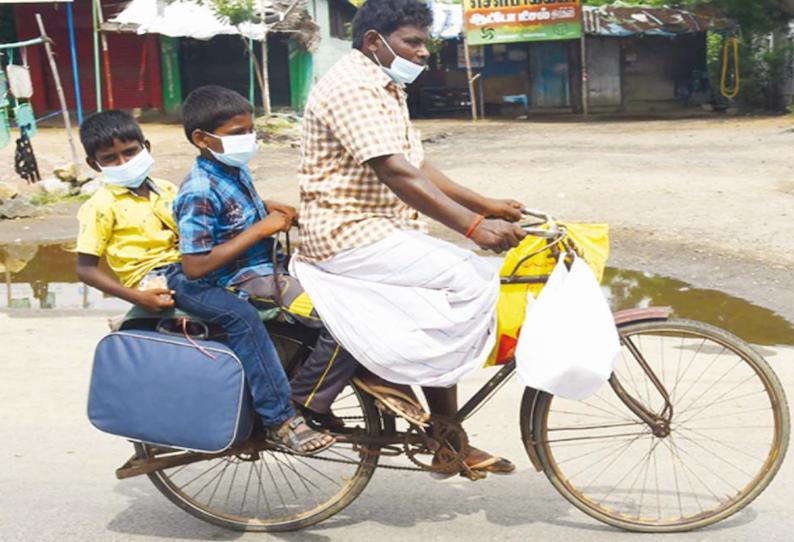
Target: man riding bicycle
{"type": "Point", "coordinates": [412, 309]}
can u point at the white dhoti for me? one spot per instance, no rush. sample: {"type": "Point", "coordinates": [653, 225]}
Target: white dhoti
{"type": "Point", "coordinates": [410, 308]}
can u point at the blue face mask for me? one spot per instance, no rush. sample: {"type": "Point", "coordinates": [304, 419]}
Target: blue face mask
{"type": "Point", "coordinates": [130, 174]}
{"type": "Point", "coordinates": [402, 71]}
{"type": "Point", "coordinates": [237, 149]}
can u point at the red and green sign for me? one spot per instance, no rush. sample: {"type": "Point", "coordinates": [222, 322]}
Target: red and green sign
{"type": "Point", "coordinates": [505, 21]}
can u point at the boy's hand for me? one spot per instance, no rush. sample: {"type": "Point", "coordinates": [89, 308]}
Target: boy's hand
{"type": "Point", "coordinates": [283, 208]}
{"type": "Point", "coordinates": [274, 222]}
{"type": "Point", "coordinates": [155, 300]}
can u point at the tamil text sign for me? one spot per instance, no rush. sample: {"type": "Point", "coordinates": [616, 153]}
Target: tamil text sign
{"type": "Point", "coordinates": [504, 21]}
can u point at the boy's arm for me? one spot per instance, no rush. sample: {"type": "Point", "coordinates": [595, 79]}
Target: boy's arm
{"type": "Point", "coordinates": [199, 264]}
{"type": "Point", "coordinates": [288, 210]}
{"type": "Point", "coordinates": [89, 272]}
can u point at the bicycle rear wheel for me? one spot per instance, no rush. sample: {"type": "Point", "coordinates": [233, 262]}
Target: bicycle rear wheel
{"type": "Point", "coordinates": [270, 490]}
{"type": "Point", "coordinates": [728, 432]}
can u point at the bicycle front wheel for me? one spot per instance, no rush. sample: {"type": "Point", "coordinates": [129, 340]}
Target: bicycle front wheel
{"type": "Point", "coordinates": [727, 435]}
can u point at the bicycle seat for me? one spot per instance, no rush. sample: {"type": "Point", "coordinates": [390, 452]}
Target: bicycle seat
{"type": "Point", "coordinates": [137, 313]}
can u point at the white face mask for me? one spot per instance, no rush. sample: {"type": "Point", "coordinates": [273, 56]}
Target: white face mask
{"type": "Point", "coordinates": [401, 71]}
{"type": "Point", "coordinates": [130, 174]}
{"type": "Point", "coordinates": [237, 149]}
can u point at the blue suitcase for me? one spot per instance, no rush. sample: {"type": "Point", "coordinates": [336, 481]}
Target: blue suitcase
{"type": "Point", "coordinates": [164, 390]}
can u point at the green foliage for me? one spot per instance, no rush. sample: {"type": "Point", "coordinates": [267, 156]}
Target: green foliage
{"type": "Point", "coordinates": [41, 198]}
{"type": "Point", "coordinates": [235, 12]}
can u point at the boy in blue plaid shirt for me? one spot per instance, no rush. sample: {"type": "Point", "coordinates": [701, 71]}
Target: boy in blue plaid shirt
{"type": "Point", "coordinates": [226, 238]}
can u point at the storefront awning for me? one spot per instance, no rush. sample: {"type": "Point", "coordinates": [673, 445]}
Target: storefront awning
{"type": "Point", "coordinates": [620, 21]}
{"type": "Point", "coordinates": [181, 19]}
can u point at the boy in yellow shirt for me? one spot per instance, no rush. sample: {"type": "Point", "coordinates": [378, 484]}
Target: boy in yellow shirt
{"type": "Point", "coordinates": [130, 222]}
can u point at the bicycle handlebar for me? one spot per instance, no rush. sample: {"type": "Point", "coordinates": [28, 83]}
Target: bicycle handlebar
{"type": "Point", "coordinates": [553, 231]}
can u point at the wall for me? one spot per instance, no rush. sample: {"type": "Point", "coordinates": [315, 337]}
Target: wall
{"type": "Point", "coordinates": [658, 69]}
{"type": "Point", "coordinates": [603, 71]}
{"type": "Point", "coordinates": [331, 49]}
{"type": "Point", "coordinates": [134, 60]}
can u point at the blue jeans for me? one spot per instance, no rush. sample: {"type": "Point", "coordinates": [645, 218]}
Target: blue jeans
{"type": "Point", "coordinates": [248, 338]}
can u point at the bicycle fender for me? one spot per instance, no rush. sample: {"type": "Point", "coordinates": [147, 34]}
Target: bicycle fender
{"type": "Point", "coordinates": [632, 316]}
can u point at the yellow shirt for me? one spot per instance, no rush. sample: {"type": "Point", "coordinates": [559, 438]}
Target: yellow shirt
{"type": "Point", "coordinates": [134, 234]}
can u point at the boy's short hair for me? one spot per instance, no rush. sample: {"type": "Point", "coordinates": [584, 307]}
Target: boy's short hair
{"type": "Point", "coordinates": [100, 129]}
{"type": "Point", "coordinates": [208, 107]}
{"type": "Point", "coordinates": [386, 16]}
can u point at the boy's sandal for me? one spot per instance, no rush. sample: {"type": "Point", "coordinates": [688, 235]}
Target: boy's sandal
{"type": "Point", "coordinates": [295, 434]}
{"type": "Point", "coordinates": [395, 402]}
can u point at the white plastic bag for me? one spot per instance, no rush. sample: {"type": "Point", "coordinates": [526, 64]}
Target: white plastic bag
{"type": "Point", "coordinates": [19, 80]}
{"type": "Point", "coordinates": [569, 343]}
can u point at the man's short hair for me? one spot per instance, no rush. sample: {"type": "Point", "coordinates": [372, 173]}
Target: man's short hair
{"type": "Point", "coordinates": [100, 129]}
{"type": "Point", "coordinates": [208, 107]}
{"type": "Point", "coordinates": [386, 16]}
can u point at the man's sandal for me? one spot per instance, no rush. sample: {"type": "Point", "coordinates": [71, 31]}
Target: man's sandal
{"type": "Point", "coordinates": [478, 464]}
{"type": "Point", "coordinates": [295, 434]}
{"type": "Point", "coordinates": [395, 402]}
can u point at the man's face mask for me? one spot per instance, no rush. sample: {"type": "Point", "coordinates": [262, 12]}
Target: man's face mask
{"type": "Point", "coordinates": [237, 149]}
{"type": "Point", "coordinates": [402, 71]}
{"type": "Point", "coordinates": [130, 174]}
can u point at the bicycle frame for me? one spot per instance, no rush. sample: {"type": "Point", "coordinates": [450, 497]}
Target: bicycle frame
{"type": "Point", "coordinates": [659, 423]}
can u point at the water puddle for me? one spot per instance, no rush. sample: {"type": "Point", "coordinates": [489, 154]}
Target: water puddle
{"type": "Point", "coordinates": [42, 277]}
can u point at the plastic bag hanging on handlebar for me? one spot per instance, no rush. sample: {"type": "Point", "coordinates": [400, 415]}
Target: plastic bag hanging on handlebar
{"type": "Point", "coordinates": [591, 242]}
{"type": "Point", "coordinates": [569, 343]}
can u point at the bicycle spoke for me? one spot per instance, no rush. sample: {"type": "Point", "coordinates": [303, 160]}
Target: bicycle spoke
{"type": "Point", "coordinates": [275, 484]}
{"type": "Point", "coordinates": [731, 415]}
{"type": "Point", "coordinates": [709, 469]}
{"type": "Point", "coordinates": [717, 399]}
{"type": "Point", "coordinates": [711, 439]}
{"type": "Point", "coordinates": [231, 484]}
{"type": "Point", "coordinates": [714, 454]}
{"type": "Point", "coordinates": [614, 459]}
{"type": "Point", "coordinates": [201, 475]}
{"type": "Point", "coordinates": [283, 474]}
{"type": "Point", "coordinates": [261, 489]}
{"type": "Point", "coordinates": [705, 370]}
{"type": "Point", "coordinates": [689, 366]}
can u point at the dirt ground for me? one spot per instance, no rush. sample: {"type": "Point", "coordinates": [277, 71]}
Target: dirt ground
{"type": "Point", "coordinates": [709, 201]}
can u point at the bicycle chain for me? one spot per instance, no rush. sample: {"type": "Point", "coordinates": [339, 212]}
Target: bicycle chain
{"type": "Point", "coordinates": [406, 452]}
{"type": "Point", "coordinates": [347, 462]}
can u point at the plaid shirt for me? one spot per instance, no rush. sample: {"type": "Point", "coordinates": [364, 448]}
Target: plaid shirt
{"type": "Point", "coordinates": [215, 204]}
{"type": "Point", "coordinates": [354, 113]}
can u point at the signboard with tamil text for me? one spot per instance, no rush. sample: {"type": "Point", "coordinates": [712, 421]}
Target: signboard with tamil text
{"type": "Point", "coordinates": [505, 21]}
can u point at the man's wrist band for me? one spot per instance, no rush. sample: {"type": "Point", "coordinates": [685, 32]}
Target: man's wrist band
{"type": "Point", "coordinates": [477, 222]}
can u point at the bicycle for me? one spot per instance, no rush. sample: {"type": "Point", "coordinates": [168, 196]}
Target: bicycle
{"type": "Point", "coordinates": [692, 427]}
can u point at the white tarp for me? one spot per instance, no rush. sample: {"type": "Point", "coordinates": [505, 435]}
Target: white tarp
{"type": "Point", "coordinates": [181, 19]}
{"type": "Point", "coordinates": [447, 19]}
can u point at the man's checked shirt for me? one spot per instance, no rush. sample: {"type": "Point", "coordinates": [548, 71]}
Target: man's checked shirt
{"type": "Point", "coordinates": [354, 113]}
{"type": "Point", "coordinates": [215, 204]}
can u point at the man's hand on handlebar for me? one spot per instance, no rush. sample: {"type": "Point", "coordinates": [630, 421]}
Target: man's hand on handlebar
{"type": "Point", "coordinates": [506, 209]}
{"type": "Point", "coordinates": [497, 235]}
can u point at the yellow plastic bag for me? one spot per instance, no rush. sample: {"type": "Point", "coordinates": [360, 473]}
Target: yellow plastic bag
{"type": "Point", "coordinates": [591, 242]}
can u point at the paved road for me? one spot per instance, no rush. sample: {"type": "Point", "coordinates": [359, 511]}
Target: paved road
{"type": "Point", "coordinates": [57, 483]}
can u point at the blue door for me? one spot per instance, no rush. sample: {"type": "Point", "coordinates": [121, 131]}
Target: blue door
{"type": "Point", "coordinates": [549, 71]}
